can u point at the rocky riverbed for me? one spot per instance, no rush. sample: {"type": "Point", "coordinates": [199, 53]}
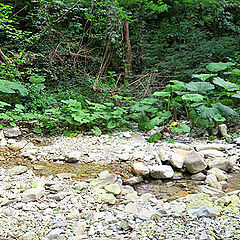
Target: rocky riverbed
{"type": "Point", "coordinates": [108, 201]}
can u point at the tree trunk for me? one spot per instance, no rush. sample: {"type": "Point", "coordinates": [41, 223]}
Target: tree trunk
{"type": "Point", "coordinates": [127, 49]}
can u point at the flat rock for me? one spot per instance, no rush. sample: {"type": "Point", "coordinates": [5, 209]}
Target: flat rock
{"type": "Point", "coordinates": [12, 132]}
{"type": "Point", "coordinates": [211, 191]}
{"type": "Point", "coordinates": [183, 146]}
{"type": "Point", "coordinates": [16, 146]}
{"type": "Point", "coordinates": [17, 170]}
{"type": "Point", "coordinates": [133, 181]}
{"type": "Point", "coordinates": [194, 162]}
{"type": "Point", "coordinates": [222, 163]}
{"type": "Point", "coordinates": [34, 193]}
{"type": "Point", "coordinates": [102, 182]}
{"type": "Point", "coordinates": [161, 171]}
{"type": "Point", "coordinates": [207, 212]}
{"type": "Point", "coordinates": [216, 146]}
{"type": "Point", "coordinates": [211, 153]}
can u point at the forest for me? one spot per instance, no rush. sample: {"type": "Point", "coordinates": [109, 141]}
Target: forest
{"type": "Point", "coordinates": [68, 65]}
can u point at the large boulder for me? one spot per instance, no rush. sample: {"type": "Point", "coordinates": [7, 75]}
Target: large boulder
{"type": "Point", "coordinates": [194, 162]}
{"type": "Point", "coordinates": [161, 171]}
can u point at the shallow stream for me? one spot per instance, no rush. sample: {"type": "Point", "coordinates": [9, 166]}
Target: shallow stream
{"type": "Point", "coordinates": [167, 190]}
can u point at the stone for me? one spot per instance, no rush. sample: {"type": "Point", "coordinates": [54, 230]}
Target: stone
{"type": "Point", "coordinates": [102, 182]}
{"type": "Point", "coordinates": [55, 234]}
{"type": "Point", "coordinates": [3, 141]}
{"type": "Point", "coordinates": [73, 156]}
{"type": "Point", "coordinates": [138, 155]}
{"type": "Point", "coordinates": [194, 162]}
{"type": "Point", "coordinates": [224, 185]}
{"type": "Point", "coordinates": [211, 153]}
{"type": "Point", "coordinates": [198, 176]}
{"type": "Point", "coordinates": [113, 188]}
{"type": "Point", "coordinates": [183, 146]}
{"type": "Point", "coordinates": [139, 169]}
{"type": "Point", "coordinates": [133, 181]}
{"type": "Point", "coordinates": [177, 158]}
{"type": "Point", "coordinates": [161, 171]}
{"type": "Point", "coordinates": [163, 153]}
{"type": "Point", "coordinates": [12, 132]}
{"type": "Point", "coordinates": [222, 163]}
{"type": "Point", "coordinates": [126, 225]}
{"type": "Point", "coordinates": [207, 212]}
{"type": "Point", "coordinates": [56, 187]}
{"type": "Point", "coordinates": [16, 146]}
{"type": "Point", "coordinates": [74, 214]}
{"type": "Point", "coordinates": [29, 153]}
{"type": "Point", "coordinates": [80, 185]}
{"type": "Point", "coordinates": [124, 156]}
{"type": "Point", "coordinates": [210, 191]}
{"type": "Point", "coordinates": [216, 146]}
{"type": "Point", "coordinates": [222, 128]}
{"type": "Point", "coordinates": [108, 198]}
{"type": "Point", "coordinates": [17, 170]}
{"type": "Point", "coordinates": [109, 232]}
{"type": "Point", "coordinates": [220, 174]}
{"type": "Point", "coordinates": [34, 193]}
{"type": "Point", "coordinates": [131, 208]}
{"type": "Point", "coordinates": [127, 190]}
{"type": "Point", "coordinates": [212, 181]}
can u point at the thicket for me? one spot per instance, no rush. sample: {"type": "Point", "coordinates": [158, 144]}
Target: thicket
{"type": "Point", "coordinates": [101, 65]}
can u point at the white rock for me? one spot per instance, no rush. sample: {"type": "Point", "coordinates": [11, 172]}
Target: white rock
{"type": "Point", "coordinates": [17, 170]}
{"type": "Point", "coordinates": [220, 174]}
{"type": "Point", "coordinates": [12, 132]}
{"type": "Point", "coordinates": [222, 128]}
{"type": "Point", "coordinates": [139, 169]}
{"type": "Point", "coordinates": [212, 181]}
{"type": "Point", "coordinates": [211, 153]}
{"type": "Point", "coordinates": [222, 163]}
{"type": "Point", "coordinates": [73, 156]}
{"type": "Point", "coordinates": [161, 171]}
{"type": "Point", "coordinates": [177, 158]}
{"type": "Point", "coordinates": [113, 188]}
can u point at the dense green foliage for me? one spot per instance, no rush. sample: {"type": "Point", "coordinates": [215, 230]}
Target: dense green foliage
{"type": "Point", "coordinates": [102, 65]}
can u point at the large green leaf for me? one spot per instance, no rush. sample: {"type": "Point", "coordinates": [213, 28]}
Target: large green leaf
{"type": "Point", "coordinates": [161, 94]}
{"type": "Point", "coordinates": [225, 110]}
{"type": "Point", "coordinates": [237, 95]}
{"type": "Point", "coordinates": [203, 77]}
{"type": "Point", "coordinates": [11, 87]}
{"type": "Point", "coordinates": [192, 97]}
{"type": "Point", "coordinates": [219, 66]}
{"type": "Point", "coordinates": [199, 87]}
{"type": "Point", "coordinates": [225, 84]}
